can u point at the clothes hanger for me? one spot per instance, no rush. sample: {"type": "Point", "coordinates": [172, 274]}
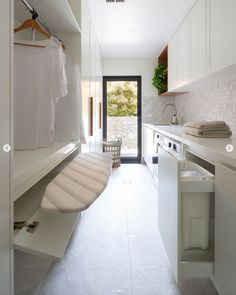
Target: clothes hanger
{"type": "Point", "coordinates": [32, 24]}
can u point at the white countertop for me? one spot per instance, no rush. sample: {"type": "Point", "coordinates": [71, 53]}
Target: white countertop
{"type": "Point", "coordinates": [215, 148]}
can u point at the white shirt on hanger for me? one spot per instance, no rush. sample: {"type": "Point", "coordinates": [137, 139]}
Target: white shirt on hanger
{"type": "Point", "coordinates": [68, 119]}
{"type": "Point", "coordinates": [40, 81]}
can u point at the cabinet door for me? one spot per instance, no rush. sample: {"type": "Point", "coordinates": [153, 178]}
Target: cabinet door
{"type": "Point", "coordinates": [85, 68]}
{"type": "Point", "coordinates": [222, 32]}
{"type": "Point", "coordinates": [148, 147]}
{"type": "Point", "coordinates": [225, 234]}
{"type": "Point", "coordinates": [85, 41]}
{"type": "Point", "coordinates": [6, 225]}
{"type": "Point", "coordinates": [98, 60]}
{"type": "Point", "coordinates": [198, 39]}
{"type": "Point", "coordinates": [173, 64]}
{"type": "Point", "coordinates": [184, 53]}
{"type": "Point", "coordinates": [168, 208]}
{"type": "Point", "coordinates": [92, 50]}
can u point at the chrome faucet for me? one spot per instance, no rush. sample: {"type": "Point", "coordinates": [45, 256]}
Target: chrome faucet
{"type": "Point", "coordinates": [175, 120]}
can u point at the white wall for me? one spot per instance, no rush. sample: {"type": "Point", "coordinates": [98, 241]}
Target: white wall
{"type": "Point", "coordinates": [133, 66]}
{"type": "Point", "coordinates": [213, 102]}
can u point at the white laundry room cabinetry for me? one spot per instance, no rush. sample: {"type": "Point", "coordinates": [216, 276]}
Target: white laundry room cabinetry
{"type": "Point", "coordinates": [173, 63]}
{"type": "Point", "coordinates": [179, 57]}
{"type": "Point", "coordinates": [6, 171]}
{"type": "Point", "coordinates": [204, 44]}
{"type": "Point", "coordinates": [225, 239]}
{"type": "Point", "coordinates": [184, 52]}
{"type": "Point", "coordinates": [198, 40]}
{"type": "Point", "coordinates": [148, 146]}
{"type": "Point", "coordinates": [91, 81]}
{"type": "Point", "coordinates": [222, 32]}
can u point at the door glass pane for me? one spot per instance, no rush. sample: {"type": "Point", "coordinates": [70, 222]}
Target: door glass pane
{"type": "Point", "coordinates": [122, 120]}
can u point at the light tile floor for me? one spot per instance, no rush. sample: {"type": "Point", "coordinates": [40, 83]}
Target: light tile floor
{"type": "Point", "coordinates": [116, 247]}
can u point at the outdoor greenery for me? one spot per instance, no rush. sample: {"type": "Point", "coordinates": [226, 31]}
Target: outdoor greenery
{"type": "Point", "coordinates": [160, 78]}
{"type": "Point", "coordinates": [122, 99]}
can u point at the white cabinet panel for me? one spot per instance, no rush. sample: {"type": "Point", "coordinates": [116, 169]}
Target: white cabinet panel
{"type": "Point", "coordinates": [222, 32]}
{"type": "Point", "coordinates": [205, 42]}
{"type": "Point", "coordinates": [184, 53]}
{"type": "Point", "coordinates": [91, 78]}
{"type": "Point", "coordinates": [173, 62]}
{"type": "Point", "coordinates": [198, 40]}
{"type": "Point", "coordinates": [168, 208]}
{"type": "Point", "coordinates": [92, 51]}
{"type": "Point", "coordinates": [148, 137]}
{"type": "Point", "coordinates": [6, 225]}
{"type": "Point", "coordinates": [179, 57]}
{"type": "Point", "coordinates": [98, 60]}
{"type": "Point", "coordinates": [225, 222]}
{"type": "Point", "coordinates": [85, 41]}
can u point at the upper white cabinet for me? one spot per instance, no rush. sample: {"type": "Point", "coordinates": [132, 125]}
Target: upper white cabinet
{"type": "Point", "coordinates": [225, 239]}
{"type": "Point", "coordinates": [184, 52]}
{"type": "Point", "coordinates": [204, 44]}
{"type": "Point", "coordinates": [222, 34]}
{"type": "Point", "coordinates": [198, 40]}
{"type": "Point", "coordinates": [179, 57]}
{"type": "Point", "coordinates": [173, 62]}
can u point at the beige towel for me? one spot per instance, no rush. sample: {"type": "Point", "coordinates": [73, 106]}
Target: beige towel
{"type": "Point", "coordinates": [205, 124]}
{"type": "Point", "coordinates": [209, 133]}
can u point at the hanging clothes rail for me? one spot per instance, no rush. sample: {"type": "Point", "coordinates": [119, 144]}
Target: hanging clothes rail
{"type": "Point", "coordinates": [39, 19]}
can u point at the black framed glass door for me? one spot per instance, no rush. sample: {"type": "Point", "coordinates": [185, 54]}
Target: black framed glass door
{"type": "Point", "coordinates": [122, 114]}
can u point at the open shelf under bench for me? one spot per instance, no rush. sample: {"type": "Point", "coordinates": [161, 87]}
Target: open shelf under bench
{"type": "Point", "coordinates": [51, 237]}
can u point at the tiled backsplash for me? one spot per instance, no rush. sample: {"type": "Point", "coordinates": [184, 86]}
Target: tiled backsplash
{"type": "Point", "coordinates": [152, 109]}
{"type": "Point", "coordinates": [216, 102]}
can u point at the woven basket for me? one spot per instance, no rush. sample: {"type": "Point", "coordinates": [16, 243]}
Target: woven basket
{"type": "Point", "coordinates": [113, 148]}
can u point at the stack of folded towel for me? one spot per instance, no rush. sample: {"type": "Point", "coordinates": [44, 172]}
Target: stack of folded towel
{"type": "Point", "coordinates": [213, 129]}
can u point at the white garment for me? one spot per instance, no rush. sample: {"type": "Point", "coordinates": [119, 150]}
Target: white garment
{"type": "Point", "coordinates": [68, 118]}
{"type": "Point", "coordinates": [40, 81]}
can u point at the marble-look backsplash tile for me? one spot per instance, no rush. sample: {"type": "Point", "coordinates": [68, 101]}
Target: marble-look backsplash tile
{"type": "Point", "coordinates": [216, 102]}
{"type": "Point", "coordinates": [155, 106]}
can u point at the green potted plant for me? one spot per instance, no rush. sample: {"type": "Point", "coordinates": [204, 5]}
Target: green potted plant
{"type": "Point", "coordinates": [160, 78]}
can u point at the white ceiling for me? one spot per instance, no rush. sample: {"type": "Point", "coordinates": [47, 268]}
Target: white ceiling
{"type": "Point", "coordinates": [138, 28]}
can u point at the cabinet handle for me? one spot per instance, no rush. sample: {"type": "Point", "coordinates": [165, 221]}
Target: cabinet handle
{"type": "Point", "coordinates": [91, 116]}
{"type": "Point", "coordinates": [100, 115]}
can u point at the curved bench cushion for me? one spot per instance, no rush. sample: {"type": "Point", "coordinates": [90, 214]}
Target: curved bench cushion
{"type": "Point", "coordinates": [79, 183]}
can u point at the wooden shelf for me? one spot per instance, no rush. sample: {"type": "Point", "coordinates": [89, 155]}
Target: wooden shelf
{"type": "Point", "coordinates": [57, 14]}
{"type": "Point", "coordinates": [169, 93]}
{"type": "Point", "coordinates": [163, 59]}
{"type": "Point", "coordinates": [31, 166]}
